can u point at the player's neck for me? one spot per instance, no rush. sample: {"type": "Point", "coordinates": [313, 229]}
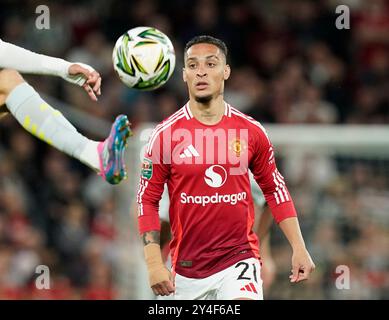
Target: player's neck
{"type": "Point", "coordinates": [209, 113]}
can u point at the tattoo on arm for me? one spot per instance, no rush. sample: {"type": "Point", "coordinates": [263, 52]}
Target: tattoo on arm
{"type": "Point", "coordinates": [151, 237]}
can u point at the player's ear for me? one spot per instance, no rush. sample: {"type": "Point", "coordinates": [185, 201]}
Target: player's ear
{"type": "Point", "coordinates": [227, 71]}
{"type": "Point", "coordinates": [183, 74]}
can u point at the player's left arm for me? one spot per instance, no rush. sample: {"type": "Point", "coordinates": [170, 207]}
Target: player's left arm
{"type": "Point", "coordinates": [302, 264]}
{"type": "Point", "coordinates": [277, 196]}
{"type": "Point", "coordinates": [26, 61]}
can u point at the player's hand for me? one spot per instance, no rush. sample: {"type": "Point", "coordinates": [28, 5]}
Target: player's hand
{"type": "Point", "coordinates": [302, 265]}
{"type": "Point", "coordinates": [164, 288]}
{"type": "Point", "coordinates": [86, 77]}
{"type": "Point", "coordinates": [162, 284]}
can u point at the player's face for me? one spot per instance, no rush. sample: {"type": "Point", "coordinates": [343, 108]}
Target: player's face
{"type": "Point", "coordinates": [205, 72]}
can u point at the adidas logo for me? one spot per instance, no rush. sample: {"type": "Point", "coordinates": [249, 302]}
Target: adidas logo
{"type": "Point", "coordinates": [189, 152]}
{"type": "Point", "coordinates": [249, 287]}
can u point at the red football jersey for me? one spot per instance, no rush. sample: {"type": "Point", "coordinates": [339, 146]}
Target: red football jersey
{"type": "Point", "coordinates": [206, 170]}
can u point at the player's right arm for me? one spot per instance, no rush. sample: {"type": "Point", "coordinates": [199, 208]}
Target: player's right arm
{"type": "Point", "coordinates": [159, 276]}
{"type": "Point", "coordinates": [26, 61]}
{"type": "Point", "coordinates": [153, 177]}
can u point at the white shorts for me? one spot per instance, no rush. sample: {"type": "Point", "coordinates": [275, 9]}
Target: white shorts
{"type": "Point", "coordinates": [241, 280]}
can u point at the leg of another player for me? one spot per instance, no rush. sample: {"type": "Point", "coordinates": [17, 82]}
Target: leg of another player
{"type": "Point", "coordinates": [49, 125]}
{"type": "Point", "coordinates": [3, 108]}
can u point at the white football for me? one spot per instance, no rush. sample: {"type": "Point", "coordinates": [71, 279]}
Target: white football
{"type": "Point", "coordinates": [144, 58]}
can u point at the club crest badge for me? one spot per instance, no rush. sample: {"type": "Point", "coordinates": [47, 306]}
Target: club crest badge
{"type": "Point", "coordinates": [238, 146]}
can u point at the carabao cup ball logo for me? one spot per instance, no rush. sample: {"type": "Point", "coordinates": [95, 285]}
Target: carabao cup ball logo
{"type": "Point", "coordinates": [215, 176]}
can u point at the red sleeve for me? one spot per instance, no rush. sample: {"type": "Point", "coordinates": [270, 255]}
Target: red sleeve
{"type": "Point", "coordinates": [270, 180]}
{"type": "Point", "coordinates": [154, 174]}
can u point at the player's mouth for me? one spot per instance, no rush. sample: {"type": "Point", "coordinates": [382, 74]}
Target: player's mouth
{"type": "Point", "coordinates": [202, 85]}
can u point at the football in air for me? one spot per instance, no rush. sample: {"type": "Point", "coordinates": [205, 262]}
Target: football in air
{"type": "Point", "coordinates": [144, 58]}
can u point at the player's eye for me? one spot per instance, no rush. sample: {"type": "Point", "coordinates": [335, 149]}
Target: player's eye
{"type": "Point", "coordinates": [211, 64]}
{"type": "Point", "coordinates": [192, 65]}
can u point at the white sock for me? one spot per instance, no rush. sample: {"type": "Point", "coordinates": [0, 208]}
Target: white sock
{"type": "Point", "coordinates": [89, 155]}
{"type": "Point", "coordinates": [49, 125]}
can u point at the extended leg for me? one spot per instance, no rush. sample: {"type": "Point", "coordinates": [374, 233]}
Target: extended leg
{"type": "Point", "coordinates": [49, 125]}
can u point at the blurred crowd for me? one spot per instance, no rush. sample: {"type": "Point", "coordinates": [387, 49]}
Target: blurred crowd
{"type": "Point", "coordinates": [290, 65]}
{"type": "Point", "coordinates": [53, 212]}
{"type": "Point", "coordinates": [344, 220]}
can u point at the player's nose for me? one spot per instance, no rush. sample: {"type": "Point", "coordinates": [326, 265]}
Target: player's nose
{"type": "Point", "coordinates": [201, 72]}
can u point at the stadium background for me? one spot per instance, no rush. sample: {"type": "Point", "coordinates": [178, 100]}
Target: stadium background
{"type": "Point", "coordinates": [290, 67]}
